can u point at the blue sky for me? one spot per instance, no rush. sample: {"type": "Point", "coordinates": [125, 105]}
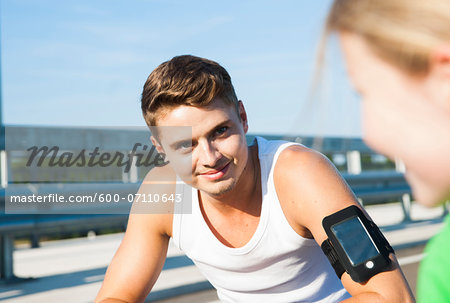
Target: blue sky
{"type": "Point", "coordinates": [83, 63]}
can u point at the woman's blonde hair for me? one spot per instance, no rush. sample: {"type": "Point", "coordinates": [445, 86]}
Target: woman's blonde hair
{"type": "Point", "coordinates": [403, 32]}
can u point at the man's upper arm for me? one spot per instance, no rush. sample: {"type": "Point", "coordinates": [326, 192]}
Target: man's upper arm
{"type": "Point", "coordinates": [141, 255]}
{"type": "Point", "coordinates": [310, 188]}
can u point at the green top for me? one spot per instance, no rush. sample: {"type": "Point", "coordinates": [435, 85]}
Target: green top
{"type": "Point", "coordinates": [433, 284]}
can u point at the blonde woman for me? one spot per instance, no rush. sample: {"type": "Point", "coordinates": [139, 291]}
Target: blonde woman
{"type": "Point", "coordinates": [398, 58]}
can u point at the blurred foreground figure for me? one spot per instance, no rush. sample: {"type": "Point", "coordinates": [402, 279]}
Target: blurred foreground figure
{"type": "Point", "coordinates": [398, 58]}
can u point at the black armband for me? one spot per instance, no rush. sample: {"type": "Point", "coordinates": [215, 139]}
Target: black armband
{"type": "Point", "coordinates": [355, 245]}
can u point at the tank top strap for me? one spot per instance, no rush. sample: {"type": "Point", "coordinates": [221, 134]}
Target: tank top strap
{"type": "Point", "coordinates": [269, 151]}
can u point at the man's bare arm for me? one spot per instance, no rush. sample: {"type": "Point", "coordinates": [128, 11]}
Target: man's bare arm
{"type": "Point", "coordinates": [310, 188]}
{"type": "Point", "coordinates": [141, 255]}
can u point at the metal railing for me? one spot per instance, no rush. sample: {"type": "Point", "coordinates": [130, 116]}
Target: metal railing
{"type": "Point", "coordinates": [370, 187]}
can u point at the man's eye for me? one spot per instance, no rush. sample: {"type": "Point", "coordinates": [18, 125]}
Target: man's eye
{"type": "Point", "coordinates": [184, 145]}
{"type": "Point", "coordinates": [221, 130]}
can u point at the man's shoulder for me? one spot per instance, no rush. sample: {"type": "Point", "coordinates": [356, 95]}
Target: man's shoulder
{"type": "Point", "coordinates": [159, 181]}
{"type": "Point", "coordinates": [160, 174]}
{"type": "Point", "coordinates": [300, 176]}
{"type": "Point", "coordinates": [154, 203]}
{"type": "Point", "coordinates": [301, 167]}
{"type": "Point", "coordinates": [298, 156]}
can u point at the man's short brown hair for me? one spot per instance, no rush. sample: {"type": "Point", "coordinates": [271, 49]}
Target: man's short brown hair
{"type": "Point", "coordinates": [185, 80]}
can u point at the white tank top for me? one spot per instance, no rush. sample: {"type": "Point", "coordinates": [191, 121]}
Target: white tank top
{"type": "Point", "coordinates": [276, 265]}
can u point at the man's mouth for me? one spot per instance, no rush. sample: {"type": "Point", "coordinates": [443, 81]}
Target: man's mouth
{"type": "Point", "coordinates": [215, 174]}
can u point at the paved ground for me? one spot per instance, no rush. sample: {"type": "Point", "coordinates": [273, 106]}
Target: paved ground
{"type": "Point", "coordinates": [409, 260]}
{"type": "Point", "coordinates": [71, 271]}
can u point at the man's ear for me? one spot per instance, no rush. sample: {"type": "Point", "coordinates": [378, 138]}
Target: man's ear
{"type": "Point", "coordinates": [243, 116]}
{"type": "Point", "coordinates": [157, 145]}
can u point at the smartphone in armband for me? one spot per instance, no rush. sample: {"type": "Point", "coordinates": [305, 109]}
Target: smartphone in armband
{"type": "Point", "coordinates": [355, 245]}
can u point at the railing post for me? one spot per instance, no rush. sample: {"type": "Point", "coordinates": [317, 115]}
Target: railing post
{"type": "Point", "coordinates": [6, 256]}
{"type": "Point", "coordinates": [400, 166]}
{"type": "Point", "coordinates": [406, 207]}
{"type": "Point", "coordinates": [3, 169]}
{"type": "Point", "coordinates": [354, 162]}
{"type": "Point", "coordinates": [406, 198]}
{"type": "Point", "coordinates": [125, 175]}
{"type": "Point", "coordinates": [34, 239]}
{"type": "Point", "coordinates": [133, 173]}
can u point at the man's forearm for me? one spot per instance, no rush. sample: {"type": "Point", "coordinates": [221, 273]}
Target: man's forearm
{"type": "Point", "coordinates": [376, 297]}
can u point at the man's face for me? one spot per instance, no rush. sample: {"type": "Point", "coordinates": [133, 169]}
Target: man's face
{"type": "Point", "coordinates": [206, 146]}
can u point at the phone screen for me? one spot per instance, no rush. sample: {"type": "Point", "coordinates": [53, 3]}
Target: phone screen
{"type": "Point", "coordinates": [355, 240]}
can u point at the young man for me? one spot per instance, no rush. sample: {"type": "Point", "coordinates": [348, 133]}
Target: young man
{"type": "Point", "coordinates": [255, 227]}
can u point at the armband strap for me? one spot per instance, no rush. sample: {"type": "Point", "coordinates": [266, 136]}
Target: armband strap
{"type": "Point", "coordinates": [332, 256]}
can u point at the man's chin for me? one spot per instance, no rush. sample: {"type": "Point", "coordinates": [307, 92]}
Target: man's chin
{"type": "Point", "coordinates": [218, 190]}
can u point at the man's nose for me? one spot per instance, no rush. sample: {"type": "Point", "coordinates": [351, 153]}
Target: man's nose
{"type": "Point", "coordinates": [209, 154]}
